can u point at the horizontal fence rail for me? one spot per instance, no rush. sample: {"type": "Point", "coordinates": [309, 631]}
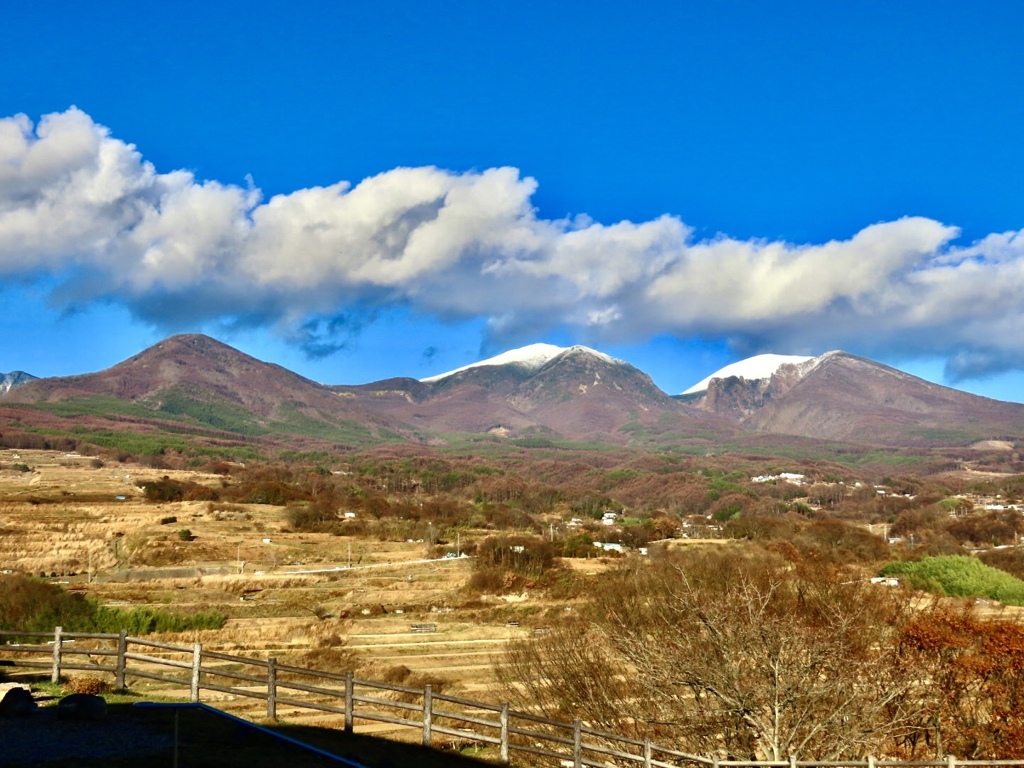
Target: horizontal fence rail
{"type": "Point", "coordinates": [433, 714]}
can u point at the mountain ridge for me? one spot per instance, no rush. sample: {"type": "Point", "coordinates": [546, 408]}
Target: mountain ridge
{"type": "Point", "coordinates": [573, 393]}
{"type": "Point", "coordinates": [756, 367]}
{"type": "Point", "coordinates": [531, 358]}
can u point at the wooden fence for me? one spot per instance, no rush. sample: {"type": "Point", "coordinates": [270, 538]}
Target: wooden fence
{"type": "Point", "coordinates": [432, 714]}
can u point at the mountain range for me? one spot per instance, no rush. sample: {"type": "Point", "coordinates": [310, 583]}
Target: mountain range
{"type": "Point", "coordinates": [538, 394]}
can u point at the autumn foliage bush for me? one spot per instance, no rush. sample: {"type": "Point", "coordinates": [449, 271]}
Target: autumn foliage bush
{"type": "Point", "coordinates": [993, 528]}
{"type": "Point", "coordinates": [1009, 560]}
{"type": "Point", "coordinates": [972, 685]}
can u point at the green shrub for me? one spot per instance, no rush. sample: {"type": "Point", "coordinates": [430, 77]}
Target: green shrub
{"type": "Point", "coordinates": [959, 576]}
{"type": "Point", "coordinates": [144, 621]}
{"type": "Point", "coordinates": [32, 605]}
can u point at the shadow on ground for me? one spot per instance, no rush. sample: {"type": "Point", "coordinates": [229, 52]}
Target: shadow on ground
{"type": "Point", "coordinates": [131, 736]}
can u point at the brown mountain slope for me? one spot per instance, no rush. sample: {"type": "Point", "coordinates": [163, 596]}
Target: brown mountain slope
{"type": "Point", "coordinates": [843, 397]}
{"type": "Point", "coordinates": [198, 379]}
{"type": "Point", "coordinates": [474, 406]}
{"type": "Point", "coordinates": [584, 395]}
{"type": "Point", "coordinates": [577, 395]}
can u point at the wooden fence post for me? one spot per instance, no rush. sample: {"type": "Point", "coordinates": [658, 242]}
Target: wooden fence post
{"type": "Point", "coordinates": [503, 747]}
{"type": "Point", "coordinates": [871, 761]}
{"type": "Point", "coordinates": [577, 744]}
{"type": "Point", "coordinates": [792, 761]}
{"type": "Point", "coordinates": [122, 660]}
{"type": "Point", "coordinates": [428, 713]}
{"type": "Point", "coordinates": [349, 701]}
{"type": "Point", "coordinates": [271, 688]}
{"type": "Point", "coordinates": [647, 752]}
{"type": "Point", "coordinates": [951, 760]}
{"type": "Point", "coordinates": [197, 660]}
{"type": "Point", "coordinates": [58, 640]}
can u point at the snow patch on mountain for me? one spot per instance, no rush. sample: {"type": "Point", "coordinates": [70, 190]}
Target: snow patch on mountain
{"type": "Point", "coordinates": [752, 369]}
{"type": "Point", "coordinates": [9, 381]}
{"type": "Point", "coordinates": [532, 357]}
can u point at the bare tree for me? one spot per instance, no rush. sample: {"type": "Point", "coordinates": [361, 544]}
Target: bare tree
{"type": "Point", "coordinates": [570, 673]}
{"type": "Point", "coordinates": [727, 654]}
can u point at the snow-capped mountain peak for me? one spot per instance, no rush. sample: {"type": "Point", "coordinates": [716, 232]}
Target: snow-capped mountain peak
{"type": "Point", "coordinates": [532, 357]}
{"type": "Point", "coordinates": [752, 369]}
{"type": "Point", "coordinates": [9, 381]}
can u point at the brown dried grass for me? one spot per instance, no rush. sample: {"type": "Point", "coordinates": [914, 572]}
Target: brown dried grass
{"type": "Point", "coordinates": [93, 685]}
{"type": "Point", "coordinates": [273, 612]}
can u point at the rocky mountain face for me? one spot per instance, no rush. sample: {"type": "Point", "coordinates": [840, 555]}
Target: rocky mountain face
{"type": "Point", "coordinates": [9, 381]}
{"type": "Point", "coordinates": [738, 397]}
{"type": "Point", "coordinates": [839, 396]}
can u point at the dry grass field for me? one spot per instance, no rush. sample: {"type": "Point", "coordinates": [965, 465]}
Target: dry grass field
{"type": "Point", "coordinates": [319, 600]}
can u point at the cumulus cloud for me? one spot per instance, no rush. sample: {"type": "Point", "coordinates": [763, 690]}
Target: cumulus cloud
{"type": "Point", "coordinates": [81, 206]}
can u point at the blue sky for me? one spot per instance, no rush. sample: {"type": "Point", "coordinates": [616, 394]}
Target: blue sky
{"type": "Point", "coordinates": [358, 191]}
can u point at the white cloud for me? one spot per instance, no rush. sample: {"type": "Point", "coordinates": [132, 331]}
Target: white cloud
{"type": "Point", "coordinates": [80, 205]}
{"type": "Point", "coordinates": [730, 284]}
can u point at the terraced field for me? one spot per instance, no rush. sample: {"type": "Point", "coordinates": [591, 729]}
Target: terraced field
{"type": "Point", "coordinates": [315, 600]}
